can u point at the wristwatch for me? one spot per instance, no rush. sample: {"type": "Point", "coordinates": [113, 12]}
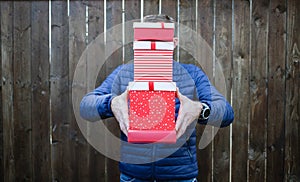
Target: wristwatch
{"type": "Point", "coordinates": [205, 112]}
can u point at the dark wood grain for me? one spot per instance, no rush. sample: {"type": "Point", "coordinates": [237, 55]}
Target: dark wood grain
{"type": "Point", "coordinates": [258, 91]}
{"type": "Point", "coordinates": [77, 44]}
{"type": "Point", "coordinates": [95, 19]}
{"type": "Point", "coordinates": [7, 90]}
{"type": "Point", "coordinates": [257, 49]}
{"type": "Point", "coordinates": [223, 70]}
{"type": "Point", "coordinates": [132, 13]}
{"type": "Point", "coordinates": [169, 7]}
{"type": "Point", "coordinates": [292, 108]}
{"type": "Point", "coordinates": [240, 90]}
{"type": "Point", "coordinates": [1, 140]}
{"type": "Point", "coordinates": [151, 7]}
{"type": "Point", "coordinates": [22, 144]}
{"type": "Point", "coordinates": [40, 112]}
{"type": "Point", "coordinates": [62, 149]}
{"type": "Point", "coordinates": [1, 114]}
{"type": "Point", "coordinates": [205, 31]}
{"type": "Point", "coordinates": [276, 91]}
{"type": "Point", "coordinates": [188, 20]}
{"type": "Point", "coordinates": [95, 23]}
{"type": "Point", "coordinates": [114, 10]}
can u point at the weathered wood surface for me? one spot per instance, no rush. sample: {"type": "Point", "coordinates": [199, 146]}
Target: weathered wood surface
{"type": "Point", "coordinates": [7, 90]}
{"type": "Point", "coordinates": [151, 7]}
{"type": "Point", "coordinates": [114, 11]}
{"type": "Point", "coordinates": [222, 80]}
{"type": "Point", "coordinates": [292, 107]}
{"type": "Point", "coordinates": [40, 91]}
{"type": "Point", "coordinates": [22, 94]}
{"type": "Point", "coordinates": [132, 13]}
{"type": "Point", "coordinates": [240, 90]}
{"type": "Point", "coordinates": [258, 91]}
{"type": "Point", "coordinates": [255, 43]}
{"type": "Point", "coordinates": [1, 117]}
{"type": "Point", "coordinates": [95, 28]}
{"type": "Point", "coordinates": [205, 30]}
{"type": "Point", "coordinates": [276, 90]}
{"type": "Point", "coordinates": [62, 158]}
{"type": "Point", "coordinates": [80, 149]}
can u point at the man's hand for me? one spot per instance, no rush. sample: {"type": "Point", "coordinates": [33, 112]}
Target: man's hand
{"type": "Point", "coordinates": [189, 111]}
{"type": "Point", "coordinates": [119, 106]}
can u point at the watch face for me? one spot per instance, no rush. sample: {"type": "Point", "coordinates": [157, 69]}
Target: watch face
{"type": "Point", "coordinates": [206, 113]}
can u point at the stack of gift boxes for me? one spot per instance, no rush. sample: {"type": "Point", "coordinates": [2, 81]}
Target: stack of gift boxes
{"type": "Point", "coordinates": [152, 93]}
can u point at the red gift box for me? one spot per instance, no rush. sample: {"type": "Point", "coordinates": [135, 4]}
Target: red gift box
{"type": "Point", "coordinates": [152, 112]}
{"type": "Point", "coordinates": [153, 31]}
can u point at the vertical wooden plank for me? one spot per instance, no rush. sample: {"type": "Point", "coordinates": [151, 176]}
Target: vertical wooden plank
{"type": "Point", "coordinates": [222, 80]}
{"type": "Point", "coordinates": [223, 46]}
{"type": "Point", "coordinates": [151, 7]}
{"type": "Point", "coordinates": [62, 159]}
{"type": "Point", "coordinates": [132, 12]}
{"type": "Point", "coordinates": [133, 9]}
{"type": "Point", "coordinates": [187, 18]}
{"type": "Point", "coordinates": [258, 90]}
{"type": "Point", "coordinates": [240, 90]}
{"type": "Point", "coordinates": [77, 44]}
{"type": "Point", "coordinates": [292, 109]}
{"type": "Point", "coordinates": [95, 28]}
{"type": "Point", "coordinates": [205, 20]}
{"type": "Point", "coordinates": [40, 112]}
{"type": "Point", "coordinates": [1, 111]}
{"type": "Point", "coordinates": [205, 30]}
{"type": "Point", "coordinates": [276, 91]}
{"type": "Point", "coordinates": [95, 19]}
{"type": "Point", "coordinates": [22, 91]}
{"type": "Point", "coordinates": [7, 89]}
{"type": "Point", "coordinates": [114, 17]}
{"type": "Point", "coordinates": [169, 7]}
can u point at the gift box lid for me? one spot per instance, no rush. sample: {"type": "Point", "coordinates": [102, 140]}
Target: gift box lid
{"type": "Point", "coordinates": [153, 31]}
{"type": "Point", "coordinates": [156, 86]}
{"type": "Point", "coordinates": [153, 45]}
{"type": "Point", "coordinates": [153, 25]}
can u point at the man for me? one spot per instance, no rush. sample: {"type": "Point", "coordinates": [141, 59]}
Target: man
{"type": "Point", "coordinates": [157, 161]}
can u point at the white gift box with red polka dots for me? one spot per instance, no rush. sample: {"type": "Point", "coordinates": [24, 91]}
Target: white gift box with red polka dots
{"type": "Point", "coordinates": [152, 112]}
{"type": "Point", "coordinates": [153, 31]}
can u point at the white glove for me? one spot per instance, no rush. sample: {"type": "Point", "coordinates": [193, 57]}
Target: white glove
{"type": "Point", "coordinates": [189, 111]}
{"type": "Point", "coordinates": [119, 107]}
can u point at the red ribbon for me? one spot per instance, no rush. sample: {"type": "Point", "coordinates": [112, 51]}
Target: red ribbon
{"type": "Point", "coordinates": [151, 86]}
{"type": "Point", "coordinates": [153, 45]}
{"type": "Point", "coordinates": [162, 25]}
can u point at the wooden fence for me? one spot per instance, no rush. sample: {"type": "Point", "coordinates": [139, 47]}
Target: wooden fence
{"type": "Point", "coordinates": [257, 44]}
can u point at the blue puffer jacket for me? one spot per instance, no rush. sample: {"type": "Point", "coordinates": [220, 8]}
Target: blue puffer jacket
{"type": "Point", "coordinates": [160, 161]}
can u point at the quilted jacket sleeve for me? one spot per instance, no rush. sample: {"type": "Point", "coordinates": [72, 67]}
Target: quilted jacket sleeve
{"type": "Point", "coordinates": [222, 113]}
{"type": "Point", "coordinates": [96, 104]}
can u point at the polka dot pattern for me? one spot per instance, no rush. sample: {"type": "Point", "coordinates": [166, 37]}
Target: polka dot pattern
{"type": "Point", "coordinates": [152, 110]}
